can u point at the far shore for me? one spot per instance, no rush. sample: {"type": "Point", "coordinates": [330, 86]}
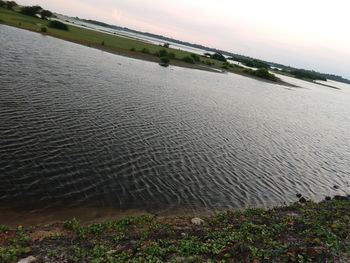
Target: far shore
{"type": "Point", "coordinates": [123, 46]}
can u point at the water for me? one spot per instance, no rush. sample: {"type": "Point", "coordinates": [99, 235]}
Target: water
{"type": "Point", "coordinates": [83, 128]}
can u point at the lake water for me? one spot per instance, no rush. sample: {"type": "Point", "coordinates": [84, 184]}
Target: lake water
{"type": "Point", "coordinates": [80, 127]}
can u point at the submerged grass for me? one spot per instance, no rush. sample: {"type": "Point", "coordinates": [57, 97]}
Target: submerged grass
{"type": "Point", "coordinates": [307, 232]}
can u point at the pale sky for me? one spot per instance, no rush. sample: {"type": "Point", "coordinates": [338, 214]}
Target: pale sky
{"type": "Point", "coordinates": [312, 34]}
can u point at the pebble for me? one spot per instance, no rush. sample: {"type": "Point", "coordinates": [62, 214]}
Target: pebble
{"type": "Point", "coordinates": [29, 259]}
{"type": "Point", "coordinates": [197, 221]}
{"type": "Point", "coordinates": [302, 200]}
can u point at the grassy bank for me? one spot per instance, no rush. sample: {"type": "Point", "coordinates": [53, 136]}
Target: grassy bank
{"type": "Point", "coordinates": [126, 46]}
{"type": "Point", "coordinates": [306, 232]}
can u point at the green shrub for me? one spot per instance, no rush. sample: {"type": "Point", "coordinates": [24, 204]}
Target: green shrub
{"type": "Point", "coordinates": [145, 51]}
{"type": "Point", "coordinates": [163, 53]}
{"type": "Point", "coordinates": [132, 49]}
{"type": "Point", "coordinates": [164, 60]}
{"type": "Point", "coordinates": [43, 29]}
{"type": "Point", "coordinates": [171, 55]}
{"type": "Point", "coordinates": [195, 57]}
{"type": "Point", "coordinates": [58, 25]}
{"type": "Point", "coordinates": [188, 59]}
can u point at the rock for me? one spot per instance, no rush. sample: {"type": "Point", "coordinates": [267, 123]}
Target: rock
{"type": "Point", "coordinates": [197, 221]}
{"type": "Point", "coordinates": [328, 198]}
{"type": "Point", "coordinates": [29, 259]}
{"type": "Point", "coordinates": [302, 200]}
{"type": "Point", "coordinates": [335, 187]}
{"type": "Point", "coordinates": [298, 195]}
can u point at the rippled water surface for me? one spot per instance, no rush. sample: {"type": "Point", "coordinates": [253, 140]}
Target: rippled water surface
{"type": "Point", "coordinates": [81, 127]}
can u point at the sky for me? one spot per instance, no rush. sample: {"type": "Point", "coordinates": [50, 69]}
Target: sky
{"type": "Point", "coordinates": [311, 34]}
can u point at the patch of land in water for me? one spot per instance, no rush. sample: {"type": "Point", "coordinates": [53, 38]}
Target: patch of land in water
{"type": "Point", "coordinates": [301, 232]}
{"type": "Point", "coordinates": [120, 45]}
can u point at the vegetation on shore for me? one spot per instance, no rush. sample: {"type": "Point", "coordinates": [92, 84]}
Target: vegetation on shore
{"type": "Point", "coordinates": [114, 43]}
{"type": "Point", "coordinates": [301, 232]}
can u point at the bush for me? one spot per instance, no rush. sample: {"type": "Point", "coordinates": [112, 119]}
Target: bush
{"type": "Point", "coordinates": [195, 57]}
{"type": "Point", "coordinates": [58, 25]}
{"type": "Point", "coordinates": [188, 59]}
{"type": "Point", "coordinates": [145, 51]}
{"type": "Point", "coordinates": [132, 49]}
{"type": "Point", "coordinates": [163, 53]}
{"type": "Point", "coordinates": [166, 45]}
{"type": "Point", "coordinates": [171, 55]}
{"type": "Point", "coordinates": [164, 60]}
{"type": "Point", "coordinates": [43, 29]}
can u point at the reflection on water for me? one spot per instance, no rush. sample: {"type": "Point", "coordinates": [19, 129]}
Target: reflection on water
{"type": "Point", "coordinates": [81, 127]}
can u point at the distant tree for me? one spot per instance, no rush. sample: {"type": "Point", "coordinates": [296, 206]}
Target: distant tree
{"type": "Point", "coordinates": [307, 74]}
{"type": "Point", "coordinates": [45, 14]}
{"type": "Point", "coordinates": [58, 25]}
{"type": "Point", "coordinates": [11, 4]}
{"type": "Point", "coordinates": [261, 73]}
{"type": "Point", "coordinates": [250, 62]}
{"type": "Point", "coordinates": [31, 10]}
{"type": "Point", "coordinates": [2, 3]}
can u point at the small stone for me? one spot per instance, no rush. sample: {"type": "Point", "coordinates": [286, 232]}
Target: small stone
{"type": "Point", "coordinates": [197, 221]}
{"type": "Point", "coordinates": [302, 200]}
{"type": "Point", "coordinates": [335, 186]}
{"type": "Point", "coordinates": [29, 259]}
{"type": "Point", "coordinates": [298, 195]}
{"type": "Point", "coordinates": [328, 198]}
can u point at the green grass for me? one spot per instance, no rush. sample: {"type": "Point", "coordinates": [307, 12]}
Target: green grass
{"type": "Point", "coordinates": [307, 232]}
